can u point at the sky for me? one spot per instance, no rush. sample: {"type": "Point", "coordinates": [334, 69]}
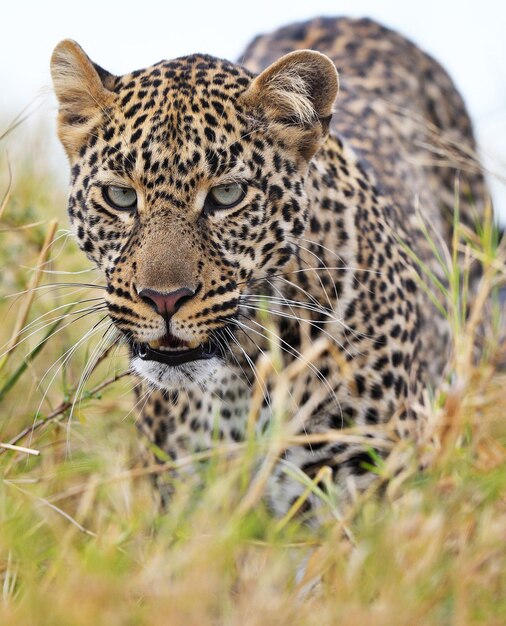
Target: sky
{"type": "Point", "coordinates": [466, 36]}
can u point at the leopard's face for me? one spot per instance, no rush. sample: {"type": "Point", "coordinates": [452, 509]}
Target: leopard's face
{"type": "Point", "coordinates": [187, 188]}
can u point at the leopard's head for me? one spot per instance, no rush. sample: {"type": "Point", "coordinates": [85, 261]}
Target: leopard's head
{"type": "Point", "coordinates": [187, 187]}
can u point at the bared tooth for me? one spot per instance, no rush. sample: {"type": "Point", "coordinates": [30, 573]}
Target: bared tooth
{"type": "Point", "coordinates": [155, 344]}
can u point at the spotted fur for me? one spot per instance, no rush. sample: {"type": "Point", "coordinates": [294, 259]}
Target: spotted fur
{"type": "Point", "coordinates": [332, 201]}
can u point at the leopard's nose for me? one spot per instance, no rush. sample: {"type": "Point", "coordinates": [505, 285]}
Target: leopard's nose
{"type": "Point", "coordinates": [166, 304]}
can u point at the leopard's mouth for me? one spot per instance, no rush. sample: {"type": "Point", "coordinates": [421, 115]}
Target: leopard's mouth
{"type": "Point", "coordinates": [171, 350]}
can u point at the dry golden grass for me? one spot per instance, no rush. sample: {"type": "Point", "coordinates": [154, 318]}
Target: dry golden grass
{"type": "Point", "coordinates": [81, 541]}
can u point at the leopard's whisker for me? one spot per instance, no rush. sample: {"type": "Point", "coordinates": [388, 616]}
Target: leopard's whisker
{"type": "Point", "coordinates": [267, 398]}
{"type": "Point", "coordinates": [102, 347]}
{"type": "Point", "coordinates": [312, 324]}
{"type": "Point", "coordinates": [226, 347]}
{"type": "Point", "coordinates": [307, 269]}
{"type": "Point", "coordinates": [291, 351]}
{"type": "Point", "coordinates": [64, 358]}
{"type": "Point", "coordinates": [324, 290]}
{"type": "Point", "coordinates": [56, 286]}
{"type": "Point", "coordinates": [279, 300]}
{"type": "Point", "coordinates": [297, 304]}
{"type": "Point", "coordinates": [144, 397]}
{"type": "Point", "coordinates": [63, 272]}
{"type": "Point", "coordinates": [97, 327]}
{"type": "Point", "coordinates": [260, 381]}
{"type": "Point", "coordinates": [41, 317]}
{"type": "Point", "coordinates": [82, 313]}
{"type": "Point", "coordinates": [325, 311]}
{"type": "Point", "coordinates": [302, 327]}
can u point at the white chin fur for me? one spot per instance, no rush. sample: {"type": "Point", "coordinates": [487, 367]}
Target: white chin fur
{"type": "Point", "coordinates": [175, 377]}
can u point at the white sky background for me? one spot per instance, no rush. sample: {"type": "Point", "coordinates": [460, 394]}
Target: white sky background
{"type": "Point", "coordinates": [466, 36]}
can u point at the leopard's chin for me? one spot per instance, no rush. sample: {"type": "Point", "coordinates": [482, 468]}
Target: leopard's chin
{"type": "Point", "coordinates": [170, 362]}
{"type": "Point", "coordinates": [177, 376]}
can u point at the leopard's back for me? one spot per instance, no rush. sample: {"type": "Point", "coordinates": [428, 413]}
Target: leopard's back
{"type": "Point", "coordinates": [398, 109]}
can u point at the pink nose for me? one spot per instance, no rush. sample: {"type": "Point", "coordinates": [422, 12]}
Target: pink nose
{"type": "Point", "coordinates": [166, 304]}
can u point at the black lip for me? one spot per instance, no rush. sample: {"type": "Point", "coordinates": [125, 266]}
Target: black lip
{"type": "Point", "coordinates": [146, 353]}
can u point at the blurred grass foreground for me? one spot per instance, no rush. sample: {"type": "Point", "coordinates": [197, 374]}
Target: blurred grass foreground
{"type": "Point", "coordinates": [82, 541]}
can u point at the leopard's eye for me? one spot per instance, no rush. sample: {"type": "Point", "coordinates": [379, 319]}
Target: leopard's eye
{"type": "Point", "coordinates": [123, 198]}
{"type": "Point", "coordinates": [225, 196]}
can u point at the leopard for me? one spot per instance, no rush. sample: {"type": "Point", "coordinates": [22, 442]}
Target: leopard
{"type": "Point", "coordinates": [292, 204]}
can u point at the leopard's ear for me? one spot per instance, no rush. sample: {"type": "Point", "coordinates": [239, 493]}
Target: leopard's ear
{"type": "Point", "coordinates": [83, 90]}
{"type": "Point", "coordinates": [295, 96]}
